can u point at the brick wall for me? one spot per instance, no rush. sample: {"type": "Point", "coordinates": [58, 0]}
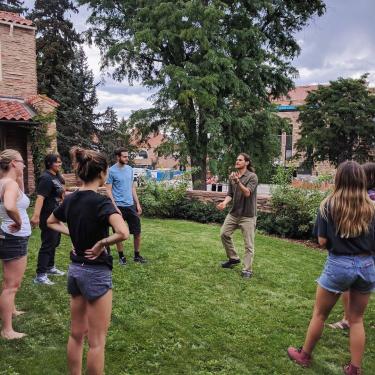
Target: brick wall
{"type": "Point", "coordinates": [30, 168]}
{"type": "Point", "coordinates": [263, 201]}
{"type": "Point", "coordinates": [18, 67]}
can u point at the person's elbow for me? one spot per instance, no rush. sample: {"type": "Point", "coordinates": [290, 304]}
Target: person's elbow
{"type": "Point", "coordinates": [247, 193]}
{"type": "Point", "coordinates": [322, 241]}
{"type": "Point", "coordinates": [51, 220]}
{"type": "Point", "coordinates": [10, 207]}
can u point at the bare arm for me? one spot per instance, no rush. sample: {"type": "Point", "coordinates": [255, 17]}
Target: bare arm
{"type": "Point", "coordinates": [245, 191]}
{"type": "Point", "coordinates": [10, 196]}
{"type": "Point", "coordinates": [110, 196]}
{"type": "Point", "coordinates": [57, 225]}
{"type": "Point", "coordinates": [322, 241]}
{"type": "Point", "coordinates": [235, 177]}
{"type": "Point", "coordinates": [121, 233]}
{"type": "Point", "coordinates": [136, 200]}
{"type": "Point", "coordinates": [37, 209]}
{"type": "Point", "coordinates": [221, 206]}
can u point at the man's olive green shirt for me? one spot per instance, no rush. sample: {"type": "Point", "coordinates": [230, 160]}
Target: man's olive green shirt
{"type": "Point", "coordinates": [244, 206]}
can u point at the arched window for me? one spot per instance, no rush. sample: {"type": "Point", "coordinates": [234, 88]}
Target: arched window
{"type": "Point", "coordinates": [143, 154]}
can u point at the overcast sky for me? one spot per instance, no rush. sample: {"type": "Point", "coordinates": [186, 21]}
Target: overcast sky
{"type": "Point", "coordinates": [341, 43]}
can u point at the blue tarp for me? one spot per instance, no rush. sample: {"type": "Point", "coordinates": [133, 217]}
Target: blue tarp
{"type": "Point", "coordinates": [162, 174]}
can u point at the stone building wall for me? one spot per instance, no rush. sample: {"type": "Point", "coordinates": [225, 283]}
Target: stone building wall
{"type": "Point", "coordinates": [17, 62]}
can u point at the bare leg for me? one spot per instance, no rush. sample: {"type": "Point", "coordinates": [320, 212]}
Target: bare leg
{"type": "Point", "coordinates": [99, 317]}
{"type": "Point", "coordinates": [120, 247]}
{"type": "Point", "coordinates": [324, 303]}
{"type": "Point", "coordinates": [13, 271]}
{"type": "Point", "coordinates": [345, 302]}
{"type": "Point", "coordinates": [357, 307]}
{"type": "Point", "coordinates": [344, 322]}
{"type": "Point", "coordinates": [78, 330]}
{"type": "Point", "coordinates": [17, 312]}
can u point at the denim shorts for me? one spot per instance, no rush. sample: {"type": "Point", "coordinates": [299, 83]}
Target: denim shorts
{"type": "Point", "coordinates": [89, 280]}
{"type": "Point", "coordinates": [343, 273]}
{"type": "Point", "coordinates": [12, 247]}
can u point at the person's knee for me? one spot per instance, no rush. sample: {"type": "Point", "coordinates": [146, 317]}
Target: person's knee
{"type": "Point", "coordinates": [355, 319]}
{"type": "Point", "coordinates": [224, 234]}
{"type": "Point", "coordinates": [78, 333]}
{"type": "Point", "coordinates": [97, 342]}
{"type": "Point", "coordinates": [321, 314]}
{"type": "Point", "coordinates": [11, 286]}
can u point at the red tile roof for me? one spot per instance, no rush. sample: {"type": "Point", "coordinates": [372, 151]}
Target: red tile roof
{"type": "Point", "coordinates": [34, 100]}
{"type": "Point", "coordinates": [14, 111]}
{"type": "Point", "coordinates": [14, 18]}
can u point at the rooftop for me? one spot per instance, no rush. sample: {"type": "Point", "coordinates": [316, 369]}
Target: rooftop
{"type": "Point", "coordinates": [296, 96]}
{"type": "Point", "coordinates": [14, 18]}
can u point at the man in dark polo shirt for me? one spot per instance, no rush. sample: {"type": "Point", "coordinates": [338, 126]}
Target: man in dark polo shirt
{"type": "Point", "coordinates": [243, 192]}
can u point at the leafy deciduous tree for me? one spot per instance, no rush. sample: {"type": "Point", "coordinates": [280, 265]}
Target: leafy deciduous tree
{"type": "Point", "coordinates": [338, 122]}
{"type": "Point", "coordinates": [215, 64]}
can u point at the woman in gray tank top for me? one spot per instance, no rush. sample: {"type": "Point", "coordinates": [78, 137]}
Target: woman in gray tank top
{"type": "Point", "coordinates": [14, 233]}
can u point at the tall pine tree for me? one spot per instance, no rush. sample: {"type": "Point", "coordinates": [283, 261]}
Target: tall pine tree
{"type": "Point", "coordinates": [113, 133]}
{"type": "Point", "coordinates": [63, 74]}
{"type": "Point", "coordinates": [15, 6]}
{"type": "Point", "coordinates": [75, 117]}
{"type": "Point", "coordinates": [55, 43]}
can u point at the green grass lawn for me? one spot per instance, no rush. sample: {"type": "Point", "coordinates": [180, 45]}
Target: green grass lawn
{"type": "Point", "coordinates": [182, 314]}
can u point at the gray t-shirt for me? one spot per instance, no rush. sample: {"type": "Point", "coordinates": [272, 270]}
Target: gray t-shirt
{"type": "Point", "coordinates": [244, 206]}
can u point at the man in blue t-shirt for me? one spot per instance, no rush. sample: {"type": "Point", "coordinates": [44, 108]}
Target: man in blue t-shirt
{"type": "Point", "coordinates": [121, 190]}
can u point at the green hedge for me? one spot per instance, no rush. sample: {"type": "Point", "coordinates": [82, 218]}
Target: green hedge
{"type": "Point", "coordinates": [293, 212]}
{"type": "Point", "coordinates": [293, 209]}
{"type": "Point", "coordinates": [169, 201]}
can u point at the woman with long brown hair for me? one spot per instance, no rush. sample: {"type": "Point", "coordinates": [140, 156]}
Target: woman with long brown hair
{"type": "Point", "coordinates": [89, 216]}
{"type": "Point", "coordinates": [369, 169]}
{"type": "Point", "coordinates": [345, 226]}
{"type": "Point", "coordinates": [14, 234]}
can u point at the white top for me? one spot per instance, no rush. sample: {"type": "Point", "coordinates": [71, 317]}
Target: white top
{"type": "Point", "coordinates": [23, 202]}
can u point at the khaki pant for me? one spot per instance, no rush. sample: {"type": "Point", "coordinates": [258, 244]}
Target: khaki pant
{"type": "Point", "coordinates": [247, 226]}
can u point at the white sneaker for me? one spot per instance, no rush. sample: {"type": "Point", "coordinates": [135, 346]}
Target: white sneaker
{"type": "Point", "coordinates": [43, 279]}
{"type": "Point", "coordinates": [55, 271]}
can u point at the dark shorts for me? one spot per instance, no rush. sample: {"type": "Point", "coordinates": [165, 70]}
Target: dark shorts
{"type": "Point", "coordinates": [343, 273]}
{"type": "Point", "coordinates": [89, 281]}
{"type": "Point", "coordinates": [12, 247]}
{"type": "Point", "coordinates": [130, 215]}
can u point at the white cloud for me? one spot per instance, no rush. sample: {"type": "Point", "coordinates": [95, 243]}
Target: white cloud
{"type": "Point", "coordinates": [124, 104]}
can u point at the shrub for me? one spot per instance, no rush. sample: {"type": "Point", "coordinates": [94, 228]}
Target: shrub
{"type": "Point", "coordinates": [167, 200]}
{"type": "Point", "coordinates": [192, 209]}
{"type": "Point", "coordinates": [293, 212]}
{"type": "Point", "coordinates": [162, 199]}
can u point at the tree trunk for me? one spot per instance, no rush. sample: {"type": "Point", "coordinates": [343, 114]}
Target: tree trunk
{"type": "Point", "coordinates": [199, 177]}
{"type": "Point", "coordinates": [197, 140]}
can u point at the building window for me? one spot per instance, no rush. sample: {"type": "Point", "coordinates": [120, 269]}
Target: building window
{"type": "Point", "coordinates": [289, 147]}
{"type": "Point", "coordinates": [143, 154]}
